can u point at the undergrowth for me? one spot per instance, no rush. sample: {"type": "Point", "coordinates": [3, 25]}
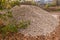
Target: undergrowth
{"type": "Point", "coordinates": [11, 27]}
{"type": "Point", "coordinates": [6, 26]}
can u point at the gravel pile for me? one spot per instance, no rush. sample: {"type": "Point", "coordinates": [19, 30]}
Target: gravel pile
{"type": "Point", "coordinates": [42, 22]}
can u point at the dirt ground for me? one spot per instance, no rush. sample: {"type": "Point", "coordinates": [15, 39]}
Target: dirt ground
{"type": "Point", "coordinates": [56, 34]}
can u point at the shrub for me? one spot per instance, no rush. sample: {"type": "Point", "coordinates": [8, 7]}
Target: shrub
{"type": "Point", "coordinates": [9, 27]}
{"type": "Point", "coordinates": [23, 24]}
{"type": "Point", "coordinates": [8, 4]}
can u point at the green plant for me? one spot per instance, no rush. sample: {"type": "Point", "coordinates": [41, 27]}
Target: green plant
{"type": "Point", "coordinates": [2, 2]}
{"type": "Point", "coordinates": [14, 3]}
{"type": "Point", "coordinates": [11, 27]}
{"type": "Point", "coordinates": [23, 24]}
{"type": "Point", "coordinates": [8, 4]}
{"type": "Point", "coordinates": [9, 14]}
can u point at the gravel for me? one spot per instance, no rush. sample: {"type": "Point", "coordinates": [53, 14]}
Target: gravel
{"type": "Point", "coordinates": [42, 22]}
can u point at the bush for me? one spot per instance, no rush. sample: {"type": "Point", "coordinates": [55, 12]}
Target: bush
{"type": "Point", "coordinates": [23, 24]}
{"type": "Point", "coordinates": [13, 3]}
{"type": "Point", "coordinates": [11, 27]}
{"type": "Point", "coordinates": [8, 4]}
{"type": "Point", "coordinates": [49, 5]}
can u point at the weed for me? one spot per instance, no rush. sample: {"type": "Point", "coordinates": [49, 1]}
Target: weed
{"type": "Point", "coordinates": [24, 24]}
{"type": "Point", "coordinates": [10, 27]}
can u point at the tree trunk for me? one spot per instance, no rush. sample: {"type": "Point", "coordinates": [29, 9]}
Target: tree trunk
{"type": "Point", "coordinates": [57, 2]}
